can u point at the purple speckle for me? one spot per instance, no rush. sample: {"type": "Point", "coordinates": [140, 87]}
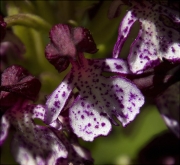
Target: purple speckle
{"type": "Point", "coordinates": [82, 116]}
{"type": "Point", "coordinates": [130, 109]}
{"type": "Point", "coordinates": [130, 21]}
{"type": "Point", "coordinates": [132, 96]}
{"type": "Point", "coordinates": [103, 124]}
{"type": "Point", "coordinates": [103, 114]}
{"type": "Point", "coordinates": [104, 85]}
{"type": "Point", "coordinates": [118, 67]}
{"type": "Point", "coordinates": [124, 116]}
{"type": "Point", "coordinates": [134, 104]}
{"type": "Point", "coordinates": [53, 110]}
{"type": "Point", "coordinates": [82, 104]}
{"type": "Point", "coordinates": [96, 126]}
{"type": "Point", "coordinates": [89, 124]}
{"type": "Point", "coordinates": [126, 29]}
{"type": "Point", "coordinates": [64, 94]}
{"type": "Point", "coordinates": [57, 104]}
{"type": "Point", "coordinates": [173, 50]}
{"type": "Point", "coordinates": [121, 106]}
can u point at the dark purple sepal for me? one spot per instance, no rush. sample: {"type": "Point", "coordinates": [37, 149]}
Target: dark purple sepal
{"type": "Point", "coordinates": [17, 82]}
{"type": "Point", "coordinates": [83, 40]}
{"type": "Point", "coordinates": [52, 55]}
{"type": "Point", "coordinates": [68, 42]}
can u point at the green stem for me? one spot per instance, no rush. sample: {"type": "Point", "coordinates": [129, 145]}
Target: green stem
{"type": "Point", "coordinates": [28, 20]}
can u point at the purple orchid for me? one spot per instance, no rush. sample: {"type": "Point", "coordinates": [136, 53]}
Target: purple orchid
{"type": "Point", "coordinates": [33, 144]}
{"type": "Point", "coordinates": [156, 39]}
{"type": "Point", "coordinates": [100, 98]}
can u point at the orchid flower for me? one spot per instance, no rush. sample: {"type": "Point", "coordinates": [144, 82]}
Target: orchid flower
{"type": "Point", "coordinates": [100, 98]}
{"type": "Point", "coordinates": [155, 41]}
{"type": "Point", "coordinates": [31, 144]}
{"type": "Point", "coordinates": [34, 144]}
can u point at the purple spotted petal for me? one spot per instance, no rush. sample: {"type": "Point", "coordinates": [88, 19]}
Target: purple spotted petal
{"type": "Point", "coordinates": [112, 65]}
{"type": "Point", "coordinates": [56, 101]}
{"type": "Point", "coordinates": [34, 143]}
{"type": "Point", "coordinates": [124, 29]}
{"type": "Point", "coordinates": [39, 112]}
{"type": "Point", "coordinates": [4, 126]}
{"type": "Point", "coordinates": [155, 40]}
{"type": "Point", "coordinates": [169, 106]}
{"type": "Point", "coordinates": [87, 123]}
{"type": "Point", "coordinates": [116, 65]}
{"type": "Point", "coordinates": [45, 149]}
{"type": "Point", "coordinates": [100, 99]}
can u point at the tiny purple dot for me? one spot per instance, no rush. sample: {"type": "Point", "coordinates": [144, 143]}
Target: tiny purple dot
{"type": "Point", "coordinates": [96, 126]}
{"type": "Point", "coordinates": [103, 124]}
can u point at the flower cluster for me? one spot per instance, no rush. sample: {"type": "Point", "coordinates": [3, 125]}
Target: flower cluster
{"type": "Point", "coordinates": [95, 93]}
{"type": "Point", "coordinates": [99, 98]}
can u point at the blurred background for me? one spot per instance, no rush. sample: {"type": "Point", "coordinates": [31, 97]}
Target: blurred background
{"type": "Point", "coordinates": [123, 145]}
